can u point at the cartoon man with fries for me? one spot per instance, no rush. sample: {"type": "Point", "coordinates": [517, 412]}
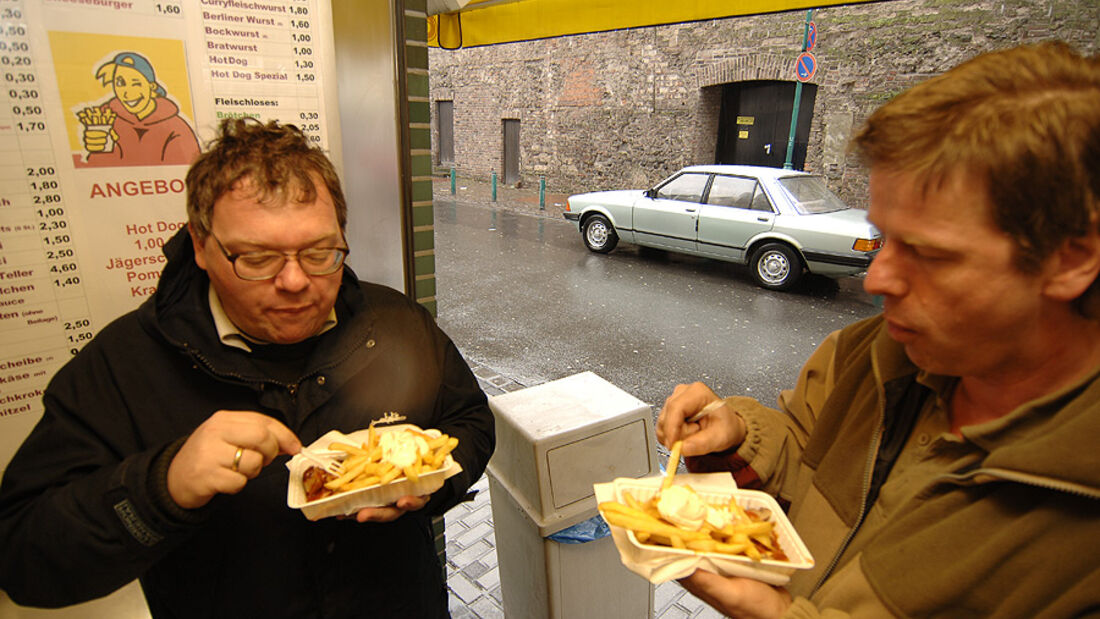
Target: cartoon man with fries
{"type": "Point", "coordinates": [940, 459]}
{"type": "Point", "coordinates": [162, 451]}
{"type": "Point", "coordinates": [139, 126]}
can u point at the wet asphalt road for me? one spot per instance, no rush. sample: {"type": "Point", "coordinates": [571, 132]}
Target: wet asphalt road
{"type": "Point", "coordinates": [518, 292]}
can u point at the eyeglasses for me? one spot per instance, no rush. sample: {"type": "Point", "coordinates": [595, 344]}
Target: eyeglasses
{"type": "Point", "coordinates": [260, 265]}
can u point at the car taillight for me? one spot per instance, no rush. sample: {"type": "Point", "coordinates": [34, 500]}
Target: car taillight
{"type": "Point", "coordinates": [867, 244]}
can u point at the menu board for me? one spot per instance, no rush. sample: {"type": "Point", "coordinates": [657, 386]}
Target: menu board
{"type": "Point", "coordinates": [104, 103]}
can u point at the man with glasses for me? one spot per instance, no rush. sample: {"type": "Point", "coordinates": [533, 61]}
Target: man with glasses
{"type": "Point", "coordinates": [161, 452]}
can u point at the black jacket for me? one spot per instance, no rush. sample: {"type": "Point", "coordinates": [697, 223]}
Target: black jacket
{"type": "Point", "coordinates": [84, 506]}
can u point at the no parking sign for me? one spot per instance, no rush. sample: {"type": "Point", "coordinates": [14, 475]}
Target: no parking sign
{"type": "Point", "coordinates": [805, 66]}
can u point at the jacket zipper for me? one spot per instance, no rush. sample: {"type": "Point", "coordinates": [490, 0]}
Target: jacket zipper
{"type": "Point", "coordinates": [292, 388]}
{"type": "Point", "coordinates": [1021, 478]}
{"type": "Point", "coordinates": [869, 467]}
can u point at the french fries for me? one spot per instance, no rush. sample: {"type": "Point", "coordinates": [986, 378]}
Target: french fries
{"type": "Point", "coordinates": [96, 116]}
{"type": "Point", "coordinates": [366, 464]}
{"type": "Point", "coordinates": [749, 533]}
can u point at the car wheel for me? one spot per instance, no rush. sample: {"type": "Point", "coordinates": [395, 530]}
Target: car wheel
{"type": "Point", "coordinates": [599, 235]}
{"type": "Point", "coordinates": [776, 266]}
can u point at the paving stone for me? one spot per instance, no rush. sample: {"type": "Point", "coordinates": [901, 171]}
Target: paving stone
{"type": "Point", "coordinates": [473, 553]}
{"type": "Point", "coordinates": [461, 586]}
{"type": "Point", "coordinates": [665, 595]}
{"type": "Point", "coordinates": [459, 609]}
{"type": "Point", "coordinates": [487, 608]}
{"type": "Point", "coordinates": [474, 570]}
{"type": "Point", "coordinates": [473, 534]}
{"type": "Point", "coordinates": [490, 579]}
{"type": "Point", "coordinates": [675, 612]}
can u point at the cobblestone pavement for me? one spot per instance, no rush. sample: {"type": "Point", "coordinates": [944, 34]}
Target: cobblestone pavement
{"type": "Point", "coordinates": [473, 576]}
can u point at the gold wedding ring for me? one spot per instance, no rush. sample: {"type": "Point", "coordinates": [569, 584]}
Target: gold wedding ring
{"type": "Point", "coordinates": [237, 459]}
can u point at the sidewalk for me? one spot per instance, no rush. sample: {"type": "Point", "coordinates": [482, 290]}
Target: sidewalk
{"type": "Point", "coordinates": [480, 192]}
{"type": "Point", "coordinates": [473, 576]}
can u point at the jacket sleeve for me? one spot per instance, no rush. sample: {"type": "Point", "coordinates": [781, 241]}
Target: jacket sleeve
{"type": "Point", "coordinates": [78, 514]}
{"type": "Point", "coordinates": [768, 457]}
{"type": "Point", "coordinates": [463, 412]}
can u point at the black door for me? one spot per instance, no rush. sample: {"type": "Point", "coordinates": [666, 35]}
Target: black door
{"type": "Point", "coordinates": [511, 151]}
{"type": "Point", "coordinates": [755, 123]}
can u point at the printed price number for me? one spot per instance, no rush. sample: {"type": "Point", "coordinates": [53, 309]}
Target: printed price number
{"type": "Point", "coordinates": [49, 213]}
{"type": "Point", "coordinates": [41, 171]}
{"type": "Point", "coordinates": [305, 77]}
{"type": "Point", "coordinates": [303, 51]}
{"type": "Point", "coordinates": [11, 13]}
{"type": "Point", "coordinates": [60, 254]}
{"type": "Point", "coordinates": [303, 64]}
{"type": "Point", "coordinates": [47, 226]}
{"type": "Point", "coordinates": [57, 239]}
{"type": "Point", "coordinates": [14, 46]}
{"type": "Point", "coordinates": [80, 337]}
{"type": "Point", "coordinates": [63, 267]}
{"type": "Point", "coordinates": [67, 282]}
{"type": "Point", "coordinates": [26, 110]}
{"type": "Point", "coordinates": [304, 37]}
{"type": "Point", "coordinates": [18, 78]}
{"type": "Point", "coordinates": [168, 9]}
{"type": "Point", "coordinates": [309, 115]}
{"type": "Point", "coordinates": [76, 325]}
{"type": "Point", "coordinates": [14, 30]}
{"type": "Point", "coordinates": [299, 10]}
{"type": "Point", "coordinates": [43, 185]}
{"type": "Point", "coordinates": [300, 24]}
{"type": "Point", "coordinates": [15, 60]}
{"type": "Point", "coordinates": [154, 242]}
{"type": "Point", "coordinates": [31, 126]}
{"type": "Point", "coordinates": [22, 94]}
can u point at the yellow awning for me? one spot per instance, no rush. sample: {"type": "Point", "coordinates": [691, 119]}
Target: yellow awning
{"type": "Point", "coordinates": [485, 22]}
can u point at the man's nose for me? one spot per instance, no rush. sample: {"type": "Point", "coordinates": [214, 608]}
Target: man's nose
{"type": "Point", "coordinates": [884, 278]}
{"type": "Point", "coordinates": [292, 278]}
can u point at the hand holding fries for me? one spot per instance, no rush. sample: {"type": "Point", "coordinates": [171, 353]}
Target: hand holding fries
{"type": "Point", "coordinates": [99, 134]}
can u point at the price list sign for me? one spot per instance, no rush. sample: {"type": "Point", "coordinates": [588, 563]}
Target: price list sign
{"type": "Point", "coordinates": [104, 105]}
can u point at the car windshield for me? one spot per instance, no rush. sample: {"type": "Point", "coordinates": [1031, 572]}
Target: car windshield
{"type": "Point", "coordinates": [810, 195]}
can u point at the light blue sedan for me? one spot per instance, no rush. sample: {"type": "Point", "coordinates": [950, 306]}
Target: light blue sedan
{"type": "Point", "coordinates": [781, 223]}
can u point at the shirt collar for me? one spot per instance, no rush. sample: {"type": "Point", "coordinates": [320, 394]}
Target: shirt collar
{"type": "Point", "coordinates": [233, 337]}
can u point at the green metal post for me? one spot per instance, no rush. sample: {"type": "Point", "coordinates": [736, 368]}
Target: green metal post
{"type": "Point", "coordinates": [542, 193]}
{"type": "Point", "coordinates": [787, 164]}
{"type": "Point", "coordinates": [494, 182]}
{"type": "Point", "coordinates": [452, 180]}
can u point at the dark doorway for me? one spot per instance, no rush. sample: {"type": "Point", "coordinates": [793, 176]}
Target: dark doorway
{"type": "Point", "coordinates": [755, 123]}
{"type": "Point", "coordinates": [511, 151]}
{"type": "Point", "coordinates": [445, 114]}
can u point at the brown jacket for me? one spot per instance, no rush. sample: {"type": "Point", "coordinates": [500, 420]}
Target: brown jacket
{"type": "Point", "coordinates": [1015, 534]}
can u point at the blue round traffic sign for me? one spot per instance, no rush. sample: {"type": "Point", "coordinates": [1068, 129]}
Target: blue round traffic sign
{"type": "Point", "coordinates": [811, 35]}
{"type": "Point", "coordinates": [805, 66]}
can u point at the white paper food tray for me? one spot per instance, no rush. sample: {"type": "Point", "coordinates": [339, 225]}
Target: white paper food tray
{"type": "Point", "coordinates": [347, 503]}
{"type": "Point", "coordinates": [660, 564]}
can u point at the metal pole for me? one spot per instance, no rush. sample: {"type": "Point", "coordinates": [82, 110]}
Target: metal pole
{"type": "Point", "coordinates": [452, 180]}
{"type": "Point", "coordinates": [542, 193]}
{"type": "Point", "coordinates": [494, 182]}
{"type": "Point", "coordinates": [787, 165]}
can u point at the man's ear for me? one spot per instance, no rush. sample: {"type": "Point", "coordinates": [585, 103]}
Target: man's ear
{"type": "Point", "coordinates": [198, 245]}
{"type": "Point", "coordinates": [1073, 267]}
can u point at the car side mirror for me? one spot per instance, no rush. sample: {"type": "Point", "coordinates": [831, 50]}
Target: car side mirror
{"type": "Point", "coordinates": [650, 193]}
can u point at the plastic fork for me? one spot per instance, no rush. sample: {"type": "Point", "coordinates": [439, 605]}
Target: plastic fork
{"type": "Point", "coordinates": [328, 459]}
{"type": "Point", "coordinates": [708, 409]}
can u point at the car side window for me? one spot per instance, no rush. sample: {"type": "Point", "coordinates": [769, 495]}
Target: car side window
{"type": "Point", "coordinates": [735, 191]}
{"type": "Point", "coordinates": [685, 188]}
{"type": "Point", "coordinates": [760, 201]}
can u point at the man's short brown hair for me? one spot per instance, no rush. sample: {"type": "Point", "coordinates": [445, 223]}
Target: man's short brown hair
{"type": "Point", "coordinates": [1022, 122]}
{"type": "Point", "coordinates": [277, 159]}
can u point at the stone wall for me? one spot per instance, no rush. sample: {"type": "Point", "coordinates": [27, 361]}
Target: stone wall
{"type": "Point", "coordinates": [624, 109]}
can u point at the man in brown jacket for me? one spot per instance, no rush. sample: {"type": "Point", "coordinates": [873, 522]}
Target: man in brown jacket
{"type": "Point", "coordinates": [940, 459]}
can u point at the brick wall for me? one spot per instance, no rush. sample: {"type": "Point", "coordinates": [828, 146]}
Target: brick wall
{"type": "Point", "coordinates": [626, 108]}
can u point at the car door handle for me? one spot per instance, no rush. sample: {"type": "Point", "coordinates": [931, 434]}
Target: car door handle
{"type": "Point", "coordinates": [763, 219]}
{"type": "Point", "coordinates": [690, 210]}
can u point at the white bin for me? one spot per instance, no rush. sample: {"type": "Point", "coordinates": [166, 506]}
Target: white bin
{"type": "Point", "coordinates": [553, 442]}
